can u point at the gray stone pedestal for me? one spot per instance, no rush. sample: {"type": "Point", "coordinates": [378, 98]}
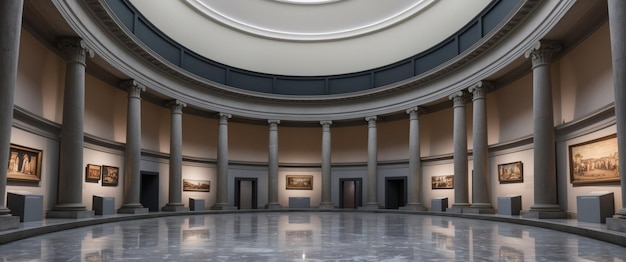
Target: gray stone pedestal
{"type": "Point", "coordinates": [439, 204]}
{"type": "Point", "coordinates": [616, 223]}
{"type": "Point", "coordinates": [103, 206]}
{"type": "Point", "coordinates": [9, 222]}
{"type": "Point", "coordinates": [196, 204]}
{"type": "Point", "coordinates": [595, 207]}
{"type": "Point", "coordinates": [510, 205]}
{"type": "Point", "coordinates": [27, 207]}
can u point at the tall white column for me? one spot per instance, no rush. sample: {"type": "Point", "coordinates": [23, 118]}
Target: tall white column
{"type": "Point", "coordinates": [132, 157]}
{"type": "Point", "coordinates": [617, 25]}
{"type": "Point", "coordinates": [222, 163]}
{"type": "Point", "coordinates": [415, 163]}
{"type": "Point", "coordinates": [481, 201]}
{"type": "Point", "coordinates": [461, 194]}
{"type": "Point", "coordinates": [544, 172]}
{"type": "Point", "coordinates": [70, 183]}
{"type": "Point", "coordinates": [326, 165]}
{"type": "Point", "coordinates": [372, 164]}
{"type": "Point", "coordinates": [273, 166]}
{"type": "Point", "coordinates": [10, 28]}
{"type": "Point", "coordinates": [175, 203]}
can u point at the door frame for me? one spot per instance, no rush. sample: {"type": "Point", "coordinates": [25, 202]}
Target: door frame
{"type": "Point", "coordinates": [141, 177]}
{"type": "Point", "coordinates": [404, 179]}
{"type": "Point", "coordinates": [358, 194]}
{"type": "Point", "coordinates": [255, 185]}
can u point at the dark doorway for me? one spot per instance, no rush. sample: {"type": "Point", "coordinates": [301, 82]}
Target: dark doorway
{"type": "Point", "coordinates": [395, 192]}
{"type": "Point", "coordinates": [246, 193]}
{"type": "Point", "coordinates": [350, 192]}
{"type": "Point", "coordinates": [149, 192]}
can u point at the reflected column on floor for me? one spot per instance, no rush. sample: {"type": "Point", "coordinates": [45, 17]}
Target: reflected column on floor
{"type": "Point", "coordinates": [176, 158]}
{"type": "Point", "coordinates": [326, 165]}
{"type": "Point", "coordinates": [372, 164]}
{"type": "Point", "coordinates": [273, 166]}
{"type": "Point", "coordinates": [10, 29]}
{"type": "Point", "coordinates": [461, 195]}
{"type": "Point", "coordinates": [70, 182]}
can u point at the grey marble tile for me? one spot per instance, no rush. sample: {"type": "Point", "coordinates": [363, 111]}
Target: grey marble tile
{"type": "Point", "coordinates": [310, 236]}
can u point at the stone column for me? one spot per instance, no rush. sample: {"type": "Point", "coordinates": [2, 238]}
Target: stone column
{"type": "Point", "coordinates": [222, 164]}
{"type": "Point", "coordinates": [71, 169]}
{"type": "Point", "coordinates": [617, 25]}
{"type": "Point", "coordinates": [545, 205]}
{"type": "Point", "coordinates": [372, 164]}
{"type": "Point", "coordinates": [273, 166]}
{"type": "Point", "coordinates": [461, 195]}
{"type": "Point", "coordinates": [481, 200]}
{"type": "Point", "coordinates": [175, 203]}
{"type": "Point", "coordinates": [132, 157]}
{"type": "Point", "coordinates": [10, 29]}
{"type": "Point", "coordinates": [326, 165]}
{"type": "Point", "coordinates": [415, 163]}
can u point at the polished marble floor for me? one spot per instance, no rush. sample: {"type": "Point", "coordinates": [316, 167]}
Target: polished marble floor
{"type": "Point", "coordinates": [310, 236]}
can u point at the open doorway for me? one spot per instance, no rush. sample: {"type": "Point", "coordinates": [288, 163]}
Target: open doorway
{"type": "Point", "coordinates": [395, 192]}
{"type": "Point", "coordinates": [350, 192]}
{"type": "Point", "coordinates": [149, 191]}
{"type": "Point", "coordinates": [246, 193]}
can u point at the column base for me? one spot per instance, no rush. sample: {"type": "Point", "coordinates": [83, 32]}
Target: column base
{"type": "Point", "coordinates": [70, 214]}
{"type": "Point", "coordinates": [9, 222]}
{"type": "Point", "coordinates": [133, 209]}
{"type": "Point", "coordinates": [458, 208]}
{"type": "Point", "coordinates": [273, 206]}
{"type": "Point", "coordinates": [480, 208]}
{"type": "Point", "coordinates": [616, 223]}
{"type": "Point", "coordinates": [179, 207]}
{"type": "Point", "coordinates": [326, 205]}
{"type": "Point", "coordinates": [414, 207]}
{"type": "Point", "coordinates": [223, 206]}
{"type": "Point", "coordinates": [370, 206]}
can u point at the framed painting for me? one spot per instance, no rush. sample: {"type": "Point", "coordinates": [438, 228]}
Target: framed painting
{"type": "Point", "coordinates": [594, 161]}
{"type": "Point", "coordinates": [110, 175]}
{"type": "Point", "coordinates": [511, 172]}
{"type": "Point", "coordinates": [196, 185]}
{"type": "Point", "coordinates": [24, 164]}
{"type": "Point", "coordinates": [442, 182]}
{"type": "Point", "coordinates": [299, 182]}
{"type": "Point", "coordinates": [92, 173]}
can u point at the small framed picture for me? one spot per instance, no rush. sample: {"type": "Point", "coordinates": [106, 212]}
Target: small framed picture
{"type": "Point", "coordinates": [511, 172]}
{"type": "Point", "coordinates": [110, 175]}
{"type": "Point", "coordinates": [442, 182]}
{"type": "Point", "coordinates": [24, 164]}
{"type": "Point", "coordinates": [298, 182]}
{"type": "Point", "coordinates": [196, 185]}
{"type": "Point", "coordinates": [92, 173]}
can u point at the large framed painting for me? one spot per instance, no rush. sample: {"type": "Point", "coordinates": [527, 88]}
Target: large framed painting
{"type": "Point", "coordinates": [442, 182]}
{"type": "Point", "coordinates": [110, 175]}
{"type": "Point", "coordinates": [511, 172]}
{"type": "Point", "coordinates": [24, 164]}
{"type": "Point", "coordinates": [594, 161]}
{"type": "Point", "coordinates": [92, 173]}
{"type": "Point", "coordinates": [196, 185]}
{"type": "Point", "coordinates": [299, 182]}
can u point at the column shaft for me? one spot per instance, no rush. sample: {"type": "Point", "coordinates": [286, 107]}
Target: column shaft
{"type": "Point", "coordinates": [132, 157]}
{"type": "Point", "coordinates": [222, 163]}
{"type": "Point", "coordinates": [372, 163]}
{"type": "Point", "coordinates": [273, 166]}
{"type": "Point", "coordinates": [326, 165]}
{"type": "Point", "coordinates": [70, 182]}
{"type": "Point", "coordinates": [176, 158]}
{"type": "Point", "coordinates": [10, 29]}
{"type": "Point", "coordinates": [415, 163]}
{"type": "Point", "coordinates": [481, 202]}
{"type": "Point", "coordinates": [461, 194]}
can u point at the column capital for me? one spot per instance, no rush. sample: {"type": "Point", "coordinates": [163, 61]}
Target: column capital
{"type": "Point", "coordinates": [458, 98]}
{"type": "Point", "coordinates": [542, 52]}
{"type": "Point", "coordinates": [133, 87]}
{"type": "Point", "coordinates": [176, 105]}
{"type": "Point", "coordinates": [326, 122]}
{"type": "Point", "coordinates": [273, 122]}
{"type": "Point", "coordinates": [224, 116]}
{"type": "Point", "coordinates": [371, 121]}
{"type": "Point", "coordinates": [480, 89]}
{"type": "Point", "coordinates": [415, 112]}
{"type": "Point", "coordinates": [74, 49]}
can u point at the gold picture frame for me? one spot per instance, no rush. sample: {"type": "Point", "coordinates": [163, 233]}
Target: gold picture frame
{"type": "Point", "coordinates": [196, 185]}
{"type": "Point", "coordinates": [93, 173]}
{"type": "Point", "coordinates": [511, 172]}
{"type": "Point", "coordinates": [299, 182]}
{"type": "Point", "coordinates": [442, 182]}
{"type": "Point", "coordinates": [110, 175]}
{"type": "Point", "coordinates": [24, 164]}
{"type": "Point", "coordinates": [594, 161]}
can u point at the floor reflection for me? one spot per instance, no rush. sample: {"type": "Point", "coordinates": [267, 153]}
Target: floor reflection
{"type": "Point", "coordinates": [304, 236]}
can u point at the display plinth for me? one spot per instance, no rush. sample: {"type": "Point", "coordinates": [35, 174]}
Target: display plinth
{"type": "Point", "coordinates": [27, 207]}
{"type": "Point", "coordinates": [103, 206]}
{"type": "Point", "coordinates": [9, 222]}
{"type": "Point", "coordinates": [299, 202]}
{"type": "Point", "coordinates": [510, 205]}
{"type": "Point", "coordinates": [439, 204]}
{"type": "Point", "coordinates": [595, 207]}
{"type": "Point", "coordinates": [196, 204]}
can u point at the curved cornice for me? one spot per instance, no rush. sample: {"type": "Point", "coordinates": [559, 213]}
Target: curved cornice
{"type": "Point", "coordinates": [476, 64]}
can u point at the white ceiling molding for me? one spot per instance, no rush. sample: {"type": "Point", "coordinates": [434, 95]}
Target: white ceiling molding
{"type": "Point", "coordinates": [331, 24]}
